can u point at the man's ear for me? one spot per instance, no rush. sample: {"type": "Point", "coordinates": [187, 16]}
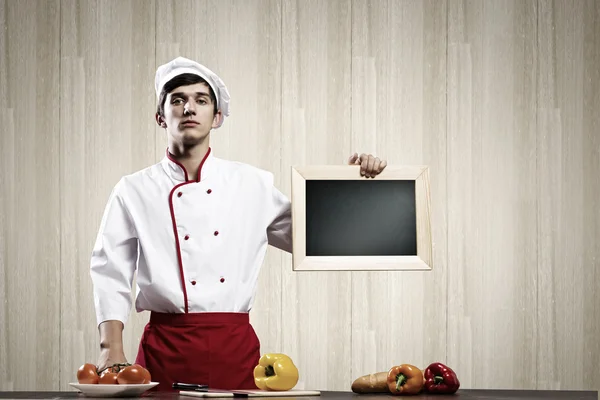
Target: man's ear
{"type": "Point", "coordinates": [160, 121]}
{"type": "Point", "coordinates": [217, 119]}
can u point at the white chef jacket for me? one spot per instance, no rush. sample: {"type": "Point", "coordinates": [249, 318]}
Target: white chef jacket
{"type": "Point", "coordinates": [213, 232]}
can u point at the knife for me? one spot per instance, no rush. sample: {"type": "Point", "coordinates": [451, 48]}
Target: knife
{"type": "Point", "coordinates": [204, 388]}
{"type": "Point", "coordinates": [190, 386]}
{"type": "Point", "coordinates": [187, 387]}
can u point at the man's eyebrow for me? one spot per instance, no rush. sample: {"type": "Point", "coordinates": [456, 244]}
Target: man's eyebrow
{"type": "Point", "coordinates": [182, 94]}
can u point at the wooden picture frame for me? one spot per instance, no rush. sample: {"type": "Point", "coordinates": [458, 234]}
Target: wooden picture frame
{"type": "Point", "coordinates": [422, 261]}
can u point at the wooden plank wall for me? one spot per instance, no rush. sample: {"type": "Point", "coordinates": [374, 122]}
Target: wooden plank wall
{"type": "Point", "coordinates": [500, 97]}
{"type": "Point", "coordinates": [492, 218]}
{"type": "Point", "coordinates": [30, 233]}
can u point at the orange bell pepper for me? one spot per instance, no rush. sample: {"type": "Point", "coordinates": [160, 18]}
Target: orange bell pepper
{"type": "Point", "coordinates": [405, 379]}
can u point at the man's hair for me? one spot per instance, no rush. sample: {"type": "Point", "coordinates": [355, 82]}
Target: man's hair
{"type": "Point", "coordinates": [182, 80]}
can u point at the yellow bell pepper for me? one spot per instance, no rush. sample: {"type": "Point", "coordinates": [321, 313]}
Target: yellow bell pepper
{"type": "Point", "coordinates": [275, 372]}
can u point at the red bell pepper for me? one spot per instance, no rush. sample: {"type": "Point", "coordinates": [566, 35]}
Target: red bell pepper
{"type": "Point", "coordinates": [440, 378]}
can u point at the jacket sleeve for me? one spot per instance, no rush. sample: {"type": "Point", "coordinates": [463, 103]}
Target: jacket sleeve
{"type": "Point", "coordinates": [113, 261]}
{"type": "Point", "coordinates": [279, 232]}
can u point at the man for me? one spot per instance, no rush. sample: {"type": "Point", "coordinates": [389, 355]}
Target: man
{"type": "Point", "coordinates": [196, 227]}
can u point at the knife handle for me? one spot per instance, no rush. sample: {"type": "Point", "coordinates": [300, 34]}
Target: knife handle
{"type": "Point", "coordinates": [190, 386]}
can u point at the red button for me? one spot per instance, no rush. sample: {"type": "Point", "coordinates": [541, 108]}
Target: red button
{"type": "Point", "coordinates": [193, 282]}
{"type": "Point", "coordinates": [187, 237]}
{"type": "Point", "coordinates": [216, 233]}
{"type": "Point", "coordinates": [179, 194]}
{"type": "Point", "coordinates": [209, 191]}
{"type": "Point", "coordinates": [222, 280]}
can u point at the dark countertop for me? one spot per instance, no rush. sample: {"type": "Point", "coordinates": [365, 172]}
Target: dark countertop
{"type": "Point", "coordinates": [468, 394]}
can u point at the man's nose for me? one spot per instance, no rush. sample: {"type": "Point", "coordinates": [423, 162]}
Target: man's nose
{"type": "Point", "coordinates": [190, 107]}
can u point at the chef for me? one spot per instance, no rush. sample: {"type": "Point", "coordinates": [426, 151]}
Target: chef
{"type": "Point", "coordinates": [195, 228]}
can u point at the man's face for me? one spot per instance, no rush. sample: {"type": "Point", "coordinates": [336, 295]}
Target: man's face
{"type": "Point", "coordinates": [189, 114]}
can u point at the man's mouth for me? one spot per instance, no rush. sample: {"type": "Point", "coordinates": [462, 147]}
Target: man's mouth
{"type": "Point", "coordinates": [189, 123]}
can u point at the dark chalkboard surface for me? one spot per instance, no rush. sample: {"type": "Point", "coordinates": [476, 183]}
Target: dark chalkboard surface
{"type": "Point", "coordinates": [361, 218]}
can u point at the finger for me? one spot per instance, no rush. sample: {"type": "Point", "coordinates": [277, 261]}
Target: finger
{"type": "Point", "coordinates": [363, 164]}
{"type": "Point", "coordinates": [352, 159]}
{"type": "Point", "coordinates": [376, 165]}
{"type": "Point", "coordinates": [370, 164]}
{"type": "Point", "coordinates": [382, 165]}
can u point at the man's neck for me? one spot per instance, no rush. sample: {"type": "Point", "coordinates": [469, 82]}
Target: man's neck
{"type": "Point", "coordinates": [189, 157]}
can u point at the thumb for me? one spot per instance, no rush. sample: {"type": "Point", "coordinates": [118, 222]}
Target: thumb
{"type": "Point", "coordinates": [352, 159]}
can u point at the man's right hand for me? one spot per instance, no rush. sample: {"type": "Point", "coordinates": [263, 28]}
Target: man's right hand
{"type": "Point", "coordinates": [111, 344]}
{"type": "Point", "coordinates": [110, 357]}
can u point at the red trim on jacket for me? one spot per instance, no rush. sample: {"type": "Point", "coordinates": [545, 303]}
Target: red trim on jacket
{"type": "Point", "coordinates": [179, 260]}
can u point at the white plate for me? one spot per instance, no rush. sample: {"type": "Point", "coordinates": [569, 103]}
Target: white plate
{"type": "Point", "coordinates": [98, 390]}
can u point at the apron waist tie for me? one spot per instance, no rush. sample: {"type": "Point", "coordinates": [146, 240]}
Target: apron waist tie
{"type": "Point", "coordinates": [200, 318]}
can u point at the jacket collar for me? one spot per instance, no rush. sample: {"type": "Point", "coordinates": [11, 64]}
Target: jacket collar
{"type": "Point", "coordinates": [177, 171]}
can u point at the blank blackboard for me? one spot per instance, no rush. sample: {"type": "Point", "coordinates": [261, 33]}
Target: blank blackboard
{"type": "Point", "coordinates": [361, 218]}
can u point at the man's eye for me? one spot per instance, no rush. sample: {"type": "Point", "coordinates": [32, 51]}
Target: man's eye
{"type": "Point", "coordinates": [202, 101]}
{"type": "Point", "coordinates": [177, 101]}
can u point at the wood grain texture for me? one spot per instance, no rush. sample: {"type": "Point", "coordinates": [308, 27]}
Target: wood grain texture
{"type": "Point", "coordinates": [6, 194]}
{"type": "Point", "coordinates": [398, 113]}
{"type": "Point", "coordinates": [106, 132]}
{"type": "Point", "coordinates": [316, 128]}
{"type": "Point", "coordinates": [241, 42]}
{"type": "Point", "coordinates": [568, 98]}
{"type": "Point", "coordinates": [499, 98]}
{"type": "Point", "coordinates": [29, 232]}
{"type": "Point", "coordinates": [492, 224]}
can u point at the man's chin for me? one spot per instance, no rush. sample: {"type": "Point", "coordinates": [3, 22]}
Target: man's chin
{"type": "Point", "coordinates": [191, 138]}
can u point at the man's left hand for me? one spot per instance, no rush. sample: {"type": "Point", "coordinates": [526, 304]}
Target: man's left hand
{"type": "Point", "coordinates": [370, 166]}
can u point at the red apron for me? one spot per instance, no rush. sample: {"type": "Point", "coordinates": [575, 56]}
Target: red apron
{"type": "Point", "coordinates": [216, 349]}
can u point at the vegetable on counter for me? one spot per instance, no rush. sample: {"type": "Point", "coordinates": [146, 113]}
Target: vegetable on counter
{"type": "Point", "coordinates": [124, 374]}
{"type": "Point", "coordinates": [440, 378]}
{"type": "Point", "coordinates": [275, 371]}
{"type": "Point", "coordinates": [372, 383]}
{"type": "Point", "coordinates": [87, 374]}
{"type": "Point", "coordinates": [133, 375]}
{"type": "Point", "coordinates": [405, 379]}
{"type": "Point", "coordinates": [108, 376]}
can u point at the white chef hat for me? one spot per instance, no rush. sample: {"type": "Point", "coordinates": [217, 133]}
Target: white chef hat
{"type": "Point", "coordinates": [182, 65]}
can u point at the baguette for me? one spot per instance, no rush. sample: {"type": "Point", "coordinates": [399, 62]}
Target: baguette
{"type": "Point", "coordinates": [372, 383]}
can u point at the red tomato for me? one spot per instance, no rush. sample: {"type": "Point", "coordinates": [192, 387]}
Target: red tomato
{"type": "Point", "coordinates": [131, 375]}
{"type": "Point", "coordinates": [87, 374]}
{"type": "Point", "coordinates": [147, 377]}
{"type": "Point", "coordinates": [108, 378]}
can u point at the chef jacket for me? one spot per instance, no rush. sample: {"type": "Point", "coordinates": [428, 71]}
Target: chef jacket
{"type": "Point", "coordinates": [197, 245]}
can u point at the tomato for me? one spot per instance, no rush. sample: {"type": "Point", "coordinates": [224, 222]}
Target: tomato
{"type": "Point", "coordinates": [87, 374]}
{"type": "Point", "coordinates": [147, 377]}
{"type": "Point", "coordinates": [108, 378]}
{"type": "Point", "coordinates": [131, 375]}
